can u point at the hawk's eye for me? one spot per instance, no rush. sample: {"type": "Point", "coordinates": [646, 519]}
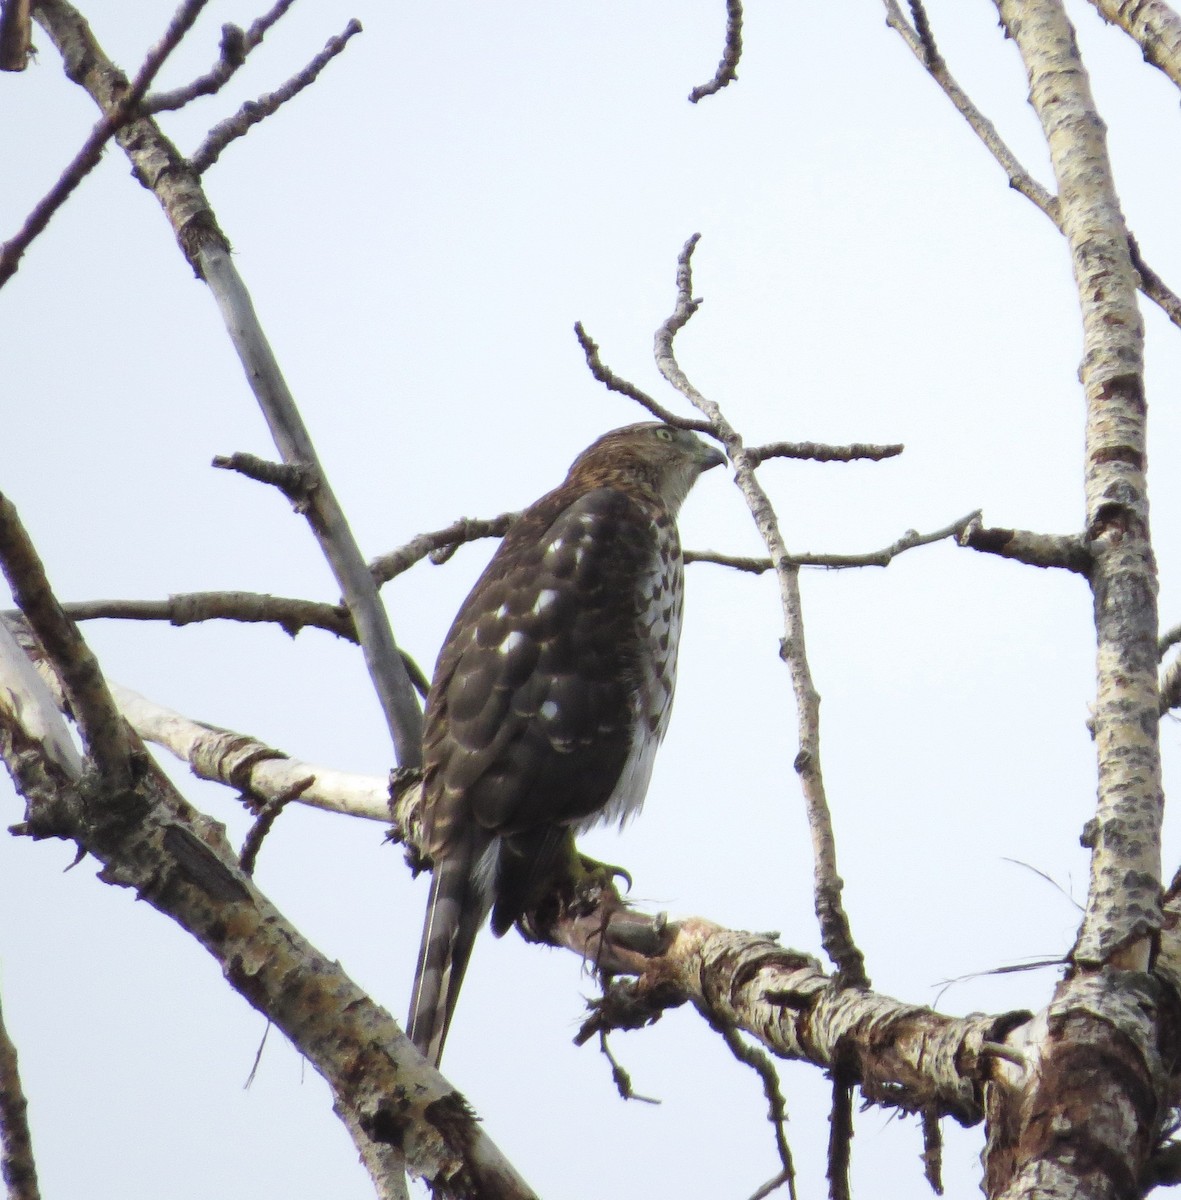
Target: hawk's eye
{"type": "Point", "coordinates": [665, 435]}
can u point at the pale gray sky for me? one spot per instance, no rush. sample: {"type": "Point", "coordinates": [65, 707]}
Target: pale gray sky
{"type": "Point", "coordinates": [420, 231]}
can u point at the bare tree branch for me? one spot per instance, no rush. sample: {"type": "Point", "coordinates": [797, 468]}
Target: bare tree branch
{"type": "Point", "coordinates": [610, 380]}
{"type": "Point", "coordinates": [176, 186]}
{"type": "Point", "coordinates": [122, 109]}
{"type": "Point", "coordinates": [1070, 551]}
{"type": "Point", "coordinates": [1153, 26]}
{"type": "Point", "coordinates": [819, 452]}
{"type": "Point", "coordinates": [15, 34]}
{"type": "Point", "coordinates": [17, 1165]}
{"type": "Point", "coordinates": [876, 558]}
{"type": "Point", "coordinates": [1019, 178]}
{"type": "Point", "coordinates": [1069, 1129]}
{"type": "Point", "coordinates": [149, 839]}
{"type": "Point", "coordinates": [189, 608]}
{"type": "Point", "coordinates": [727, 71]}
{"type": "Point", "coordinates": [439, 545]}
{"type": "Point", "coordinates": [1168, 640]}
{"type": "Point", "coordinates": [296, 480]}
{"type": "Point", "coordinates": [236, 45]}
{"type": "Point", "coordinates": [835, 932]}
{"type": "Point", "coordinates": [254, 111]}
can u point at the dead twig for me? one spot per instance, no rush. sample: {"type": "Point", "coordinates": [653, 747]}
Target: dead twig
{"type": "Point", "coordinates": [840, 1138]}
{"type": "Point", "coordinates": [1069, 552]}
{"type": "Point", "coordinates": [614, 383]}
{"type": "Point", "coordinates": [16, 34]}
{"type": "Point", "coordinates": [835, 931]}
{"type": "Point", "coordinates": [126, 109]}
{"type": "Point", "coordinates": [266, 818]}
{"type": "Point", "coordinates": [296, 480]}
{"type": "Point", "coordinates": [17, 1165]}
{"type": "Point", "coordinates": [254, 111]}
{"type": "Point", "coordinates": [439, 545]}
{"type": "Point", "coordinates": [236, 45]}
{"type": "Point", "coordinates": [819, 452]}
{"type": "Point", "coordinates": [727, 71]}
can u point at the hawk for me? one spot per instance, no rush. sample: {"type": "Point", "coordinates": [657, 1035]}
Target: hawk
{"type": "Point", "coordinates": [551, 695]}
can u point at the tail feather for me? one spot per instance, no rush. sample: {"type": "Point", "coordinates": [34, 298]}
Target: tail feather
{"type": "Point", "coordinates": [455, 912]}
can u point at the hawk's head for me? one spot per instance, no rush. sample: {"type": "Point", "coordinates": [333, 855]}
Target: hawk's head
{"type": "Point", "coordinates": [652, 456]}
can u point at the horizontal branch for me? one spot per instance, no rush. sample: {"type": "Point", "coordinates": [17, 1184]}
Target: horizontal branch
{"type": "Point", "coordinates": [189, 608]}
{"type": "Point", "coordinates": [819, 452]}
{"type": "Point", "coordinates": [876, 558]}
{"type": "Point", "coordinates": [901, 1054]}
{"type": "Point", "coordinates": [1066, 551]}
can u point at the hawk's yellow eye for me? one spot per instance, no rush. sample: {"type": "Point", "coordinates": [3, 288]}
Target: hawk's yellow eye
{"type": "Point", "coordinates": [665, 434]}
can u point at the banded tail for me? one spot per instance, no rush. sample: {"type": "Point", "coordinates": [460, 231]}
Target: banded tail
{"type": "Point", "coordinates": [455, 911]}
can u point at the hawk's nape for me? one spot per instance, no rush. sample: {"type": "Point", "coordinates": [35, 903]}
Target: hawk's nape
{"type": "Point", "coordinates": [551, 695]}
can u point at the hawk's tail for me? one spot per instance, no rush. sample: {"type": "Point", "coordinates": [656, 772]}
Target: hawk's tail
{"type": "Point", "coordinates": [454, 914]}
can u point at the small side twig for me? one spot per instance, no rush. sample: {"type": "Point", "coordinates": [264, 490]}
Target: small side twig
{"type": "Point", "coordinates": [614, 383]}
{"type": "Point", "coordinates": [236, 45]}
{"type": "Point", "coordinates": [17, 1165]}
{"type": "Point", "coordinates": [932, 1152]}
{"type": "Point", "coordinates": [266, 818]}
{"type": "Point", "coordinates": [296, 480]}
{"type": "Point", "coordinates": [840, 1138]}
{"type": "Point", "coordinates": [254, 111]}
{"type": "Point", "coordinates": [727, 71]}
{"type": "Point", "coordinates": [1168, 639]}
{"type": "Point", "coordinates": [87, 158]}
{"type": "Point", "coordinates": [1170, 686]}
{"type": "Point", "coordinates": [922, 26]}
{"type": "Point", "coordinates": [439, 545]}
{"type": "Point", "coordinates": [760, 1062]}
{"type": "Point", "coordinates": [1068, 552]}
{"type": "Point", "coordinates": [619, 1075]}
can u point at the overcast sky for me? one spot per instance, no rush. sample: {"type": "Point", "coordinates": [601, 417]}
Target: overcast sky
{"type": "Point", "coordinates": [420, 231]}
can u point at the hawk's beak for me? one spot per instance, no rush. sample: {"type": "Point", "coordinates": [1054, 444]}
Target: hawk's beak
{"type": "Point", "coordinates": [710, 456]}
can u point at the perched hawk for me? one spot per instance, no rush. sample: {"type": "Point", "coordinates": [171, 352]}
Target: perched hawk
{"type": "Point", "coordinates": [551, 694]}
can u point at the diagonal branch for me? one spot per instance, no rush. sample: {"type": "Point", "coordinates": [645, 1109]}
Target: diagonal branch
{"type": "Point", "coordinates": [236, 46]}
{"type": "Point", "coordinates": [1019, 178]}
{"type": "Point", "coordinates": [122, 110]}
{"type": "Point", "coordinates": [251, 113]}
{"type": "Point", "coordinates": [176, 186]}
